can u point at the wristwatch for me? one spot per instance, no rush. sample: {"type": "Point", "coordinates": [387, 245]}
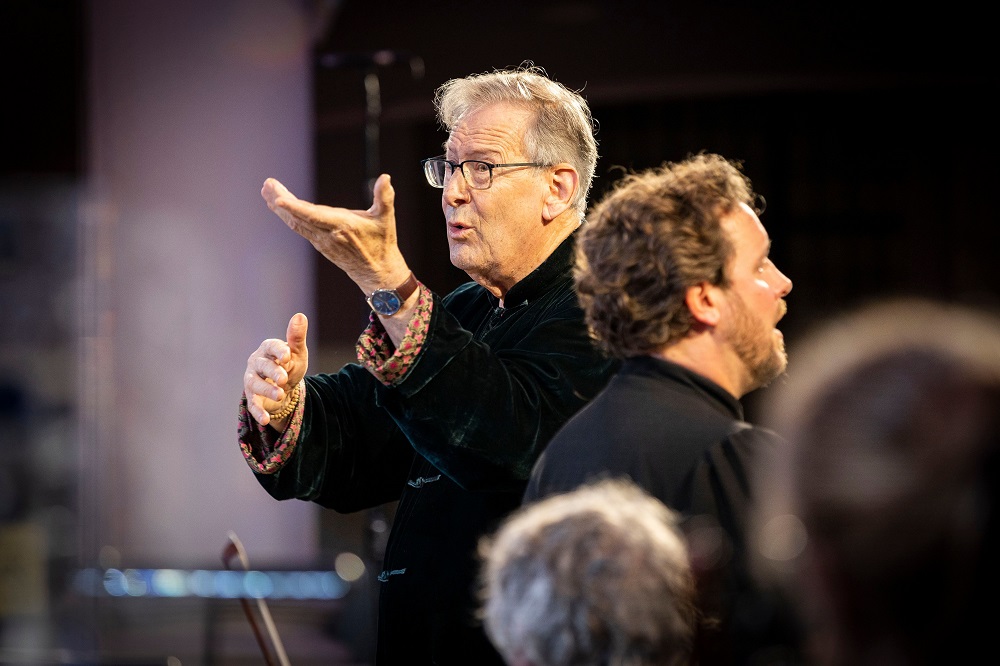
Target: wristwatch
{"type": "Point", "coordinates": [387, 302]}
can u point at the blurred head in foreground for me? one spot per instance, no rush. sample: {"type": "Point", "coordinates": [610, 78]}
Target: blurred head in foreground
{"type": "Point", "coordinates": [880, 513]}
{"type": "Point", "coordinates": [598, 575]}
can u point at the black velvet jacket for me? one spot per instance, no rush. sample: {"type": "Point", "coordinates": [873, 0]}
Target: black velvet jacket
{"type": "Point", "coordinates": [454, 442]}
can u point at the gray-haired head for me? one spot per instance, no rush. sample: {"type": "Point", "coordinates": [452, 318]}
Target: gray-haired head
{"type": "Point", "coordinates": [562, 131]}
{"type": "Point", "coordinates": [599, 575]}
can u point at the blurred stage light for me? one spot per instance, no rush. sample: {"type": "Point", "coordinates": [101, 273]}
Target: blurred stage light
{"type": "Point", "coordinates": [224, 584]}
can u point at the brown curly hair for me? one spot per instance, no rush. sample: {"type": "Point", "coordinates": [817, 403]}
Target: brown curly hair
{"type": "Point", "coordinates": [655, 234]}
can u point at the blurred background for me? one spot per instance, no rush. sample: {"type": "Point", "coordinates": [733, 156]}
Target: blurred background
{"type": "Point", "coordinates": [140, 267]}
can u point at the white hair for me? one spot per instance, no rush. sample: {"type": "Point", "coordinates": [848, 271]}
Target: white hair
{"type": "Point", "coordinates": [597, 575]}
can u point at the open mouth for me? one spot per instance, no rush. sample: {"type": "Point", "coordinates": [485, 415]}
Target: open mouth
{"type": "Point", "coordinates": [457, 228]}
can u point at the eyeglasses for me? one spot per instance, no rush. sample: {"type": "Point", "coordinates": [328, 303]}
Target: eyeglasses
{"type": "Point", "coordinates": [478, 174]}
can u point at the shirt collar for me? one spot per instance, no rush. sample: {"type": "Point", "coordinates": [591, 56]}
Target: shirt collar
{"type": "Point", "coordinates": [715, 394]}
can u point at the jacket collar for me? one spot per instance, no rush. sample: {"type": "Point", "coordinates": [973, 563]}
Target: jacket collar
{"type": "Point", "coordinates": [537, 282]}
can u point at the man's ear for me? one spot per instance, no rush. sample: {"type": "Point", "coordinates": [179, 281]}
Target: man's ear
{"type": "Point", "coordinates": [563, 183]}
{"type": "Point", "coordinates": [704, 300]}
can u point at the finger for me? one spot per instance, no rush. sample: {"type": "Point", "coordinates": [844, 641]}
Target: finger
{"type": "Point", "coordinates": [269, 366]}
{"type": "Point", "coordinates": [298, 215]}
{"type": "Point", "coordinates": [273, 190]}
{"type": "Point", "coordinates": [257, 411]}
{"type": "Point", "coordinates": [289, 210]}
{"type": "Point", "coordinates": [383, 196]}
{"type": "Point", "coordinates": [255, 384]}
{"type": "Point", "coordinates": [308, 220]}
{"type": "Point", "coordinates": [298, 326]}
{"type": "Point", "coordinates": [273, 349]}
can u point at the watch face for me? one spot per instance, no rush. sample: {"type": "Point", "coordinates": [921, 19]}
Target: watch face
{"type": "Point", "coordinates": [385, 302]}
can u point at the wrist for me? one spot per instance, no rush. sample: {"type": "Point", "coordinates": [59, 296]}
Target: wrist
{"type": "Point", "coordinates": [388, 301]}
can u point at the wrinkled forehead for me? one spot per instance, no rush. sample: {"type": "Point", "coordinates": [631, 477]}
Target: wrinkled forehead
{"type": "Point", "coordinates": [495, 128]}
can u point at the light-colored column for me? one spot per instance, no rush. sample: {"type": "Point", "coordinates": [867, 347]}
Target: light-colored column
{"type": "Point", "coordinates": [191, 106]}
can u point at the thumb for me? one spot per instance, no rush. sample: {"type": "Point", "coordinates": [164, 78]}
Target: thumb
{"type": "Point", "coordinates": [295, 336]}
{"type": "Point", "coordinates": [383, 196]}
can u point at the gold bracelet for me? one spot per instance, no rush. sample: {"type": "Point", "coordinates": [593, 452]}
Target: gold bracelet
{"type": "Point", "coordinates": [290, 407]}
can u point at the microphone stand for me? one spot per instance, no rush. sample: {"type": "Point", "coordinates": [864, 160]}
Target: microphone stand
{"type": "Point", "coordinates": [370, 63]}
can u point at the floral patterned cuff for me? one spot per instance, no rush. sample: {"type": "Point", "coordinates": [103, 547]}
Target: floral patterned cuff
{"type": "Point", "coordinates": [377, 353]}
{"type": "Point", "coordinates": [263, 448]}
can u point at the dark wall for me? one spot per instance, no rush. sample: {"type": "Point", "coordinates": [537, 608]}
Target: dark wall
{"type": "Point", "coordinates": [42, 49]}
{"type": "Point", "coordinates": [870, 133]}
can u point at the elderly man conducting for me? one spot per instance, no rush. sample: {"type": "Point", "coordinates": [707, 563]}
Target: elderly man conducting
{"type": "Point", "coordinates": [453, 397]}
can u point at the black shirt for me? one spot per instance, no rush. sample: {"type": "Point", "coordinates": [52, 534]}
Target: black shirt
{"type": "Point", "coordinates": [683, 439]}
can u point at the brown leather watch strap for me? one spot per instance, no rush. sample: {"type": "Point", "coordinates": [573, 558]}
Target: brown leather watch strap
{"type": "Point", "coordinates": [404, 290]}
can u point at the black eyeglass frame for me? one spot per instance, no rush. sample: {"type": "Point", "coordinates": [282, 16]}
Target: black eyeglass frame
{"type": "Point", "coordinates": [461, 167]}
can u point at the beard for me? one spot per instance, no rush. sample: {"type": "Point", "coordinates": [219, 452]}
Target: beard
{"type": "Point", "coordinates": [762, 353]}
